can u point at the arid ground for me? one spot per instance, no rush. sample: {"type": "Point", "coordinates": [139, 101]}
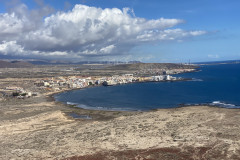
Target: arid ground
{"type": "Point", "coordinates": [39, 128]}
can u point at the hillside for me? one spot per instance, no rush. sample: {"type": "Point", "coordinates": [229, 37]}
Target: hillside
{"type": "Point", "coordinates": [15, 64]}
{"type": "Point", "coordinates": [138, 69]}
{"type": "Point", "coordinates": [143, 66]}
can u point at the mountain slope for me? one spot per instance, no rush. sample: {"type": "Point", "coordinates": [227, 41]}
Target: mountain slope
{"type": "Point", "coordinates": [15, 64]}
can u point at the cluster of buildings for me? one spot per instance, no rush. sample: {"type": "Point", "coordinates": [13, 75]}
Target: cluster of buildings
{"type": "Point", "coordinates": [71, 82]}
{"type": "Point", "coordinates": [74, 82]}
{"type": "Point", "coordinates": [164, 78]}
{"type": "Point", "coordinates": [18, 92]}
{"type": "Point", "coordinates": [116, 79]}
{"type": "Point", "coordinates": [59, 83]}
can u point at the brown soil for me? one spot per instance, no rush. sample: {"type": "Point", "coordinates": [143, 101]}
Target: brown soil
{"type": "Point", "coordinates": [173, 153]}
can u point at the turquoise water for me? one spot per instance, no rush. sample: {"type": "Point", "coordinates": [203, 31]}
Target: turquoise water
{"type": "Point", "coordinates": [214, 85]}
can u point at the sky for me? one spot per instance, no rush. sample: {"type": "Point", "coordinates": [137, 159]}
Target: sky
{"type": "Point", "coordinates": [120, 30]}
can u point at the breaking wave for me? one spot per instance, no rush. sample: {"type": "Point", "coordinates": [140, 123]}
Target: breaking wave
{"type": "Point", "coordinates": [195, 80]}
{"type": "Point", "coordinates": [71, 103]}
{"type": "Point", "coordinates": [223, 104]}
{"type": "Point", "coordinates": [214, 103]}
{"type": "Point", "coordinates": [83, 106]}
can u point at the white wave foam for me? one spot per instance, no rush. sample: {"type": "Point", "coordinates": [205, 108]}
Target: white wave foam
{"type": "Point", "coordinates": [224, 105]}
{"type": "Point", "coordinates": [196, 80]}
{"type": "Point", "coordinates": [216, 102]}
{"type": "Point", "coordinates": [71, 103]}
{"type": "Point", "coordinates": [105, 108]}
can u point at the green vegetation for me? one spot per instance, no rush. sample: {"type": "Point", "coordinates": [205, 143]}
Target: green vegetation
{"type": "Point", "coordinates": [14, 94]}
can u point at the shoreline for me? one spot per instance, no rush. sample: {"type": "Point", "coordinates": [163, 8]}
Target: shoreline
{"type": "Point", "coordinates": [209, 104]}
{"type": "Point", "coordinates": [52, 94]}
{"type": "Point", "coordinates": [90, 86]}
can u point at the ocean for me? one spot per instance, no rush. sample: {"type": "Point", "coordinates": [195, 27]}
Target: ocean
{"type": "Point", "coordinates": [216, 85]}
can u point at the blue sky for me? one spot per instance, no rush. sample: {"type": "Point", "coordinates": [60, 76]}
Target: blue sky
{"type": "Point", "coordinates": [215, 24]}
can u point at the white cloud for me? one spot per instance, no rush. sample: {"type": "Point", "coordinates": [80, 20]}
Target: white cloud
{"type": "Point", "coordinates": [12, 48]}
{"type": "Point", "coordinates": [10, 24]}
{"type": "Point", "coordinates": [107, 49]}
{"type": "Point", "coordinates": [82, 31]}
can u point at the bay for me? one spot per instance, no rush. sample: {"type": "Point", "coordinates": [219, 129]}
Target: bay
{"type": "Point", "coordinates": [213, 85]}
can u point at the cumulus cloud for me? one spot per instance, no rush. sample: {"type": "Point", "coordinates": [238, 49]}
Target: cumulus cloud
{"type": "Point", "coordinates": [81, 32]}
{"type": "Point", "coordinates": [11, 47]}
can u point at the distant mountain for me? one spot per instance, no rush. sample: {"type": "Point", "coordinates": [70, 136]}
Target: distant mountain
{"type": "Point", "coordinates": [44, 62]}
{"type": "Point", "coordinates": [15, 64]}
{"type": "Point", "coordinates": [39, 62]}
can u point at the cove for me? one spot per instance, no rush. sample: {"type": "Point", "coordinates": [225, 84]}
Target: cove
{"type": "Point", "coordinates": [217, 85]}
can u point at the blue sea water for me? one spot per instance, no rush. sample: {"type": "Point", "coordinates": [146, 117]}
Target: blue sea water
{"type": "Point", "coordinates": [213, 84]}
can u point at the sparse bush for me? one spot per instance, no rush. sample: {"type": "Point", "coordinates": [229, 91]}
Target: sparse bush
{"type": "Point", "coordinates": [23, 94]}
{"type": "Point", "coordinates": [14, 94]}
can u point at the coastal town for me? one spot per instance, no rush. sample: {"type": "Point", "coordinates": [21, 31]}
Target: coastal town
{"type": "Point", "coordinates": [62, 83]}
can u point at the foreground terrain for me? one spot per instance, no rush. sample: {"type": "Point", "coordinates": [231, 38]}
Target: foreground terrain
{"type": "Point", "coordinates": [38, 128]}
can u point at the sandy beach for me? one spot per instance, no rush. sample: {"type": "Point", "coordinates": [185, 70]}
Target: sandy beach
{"type": "Point", "coordinates": [39, 128]}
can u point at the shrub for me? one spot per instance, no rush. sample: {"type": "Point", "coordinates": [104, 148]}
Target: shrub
{"type": "Point", "coordinates": [14, 94]}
